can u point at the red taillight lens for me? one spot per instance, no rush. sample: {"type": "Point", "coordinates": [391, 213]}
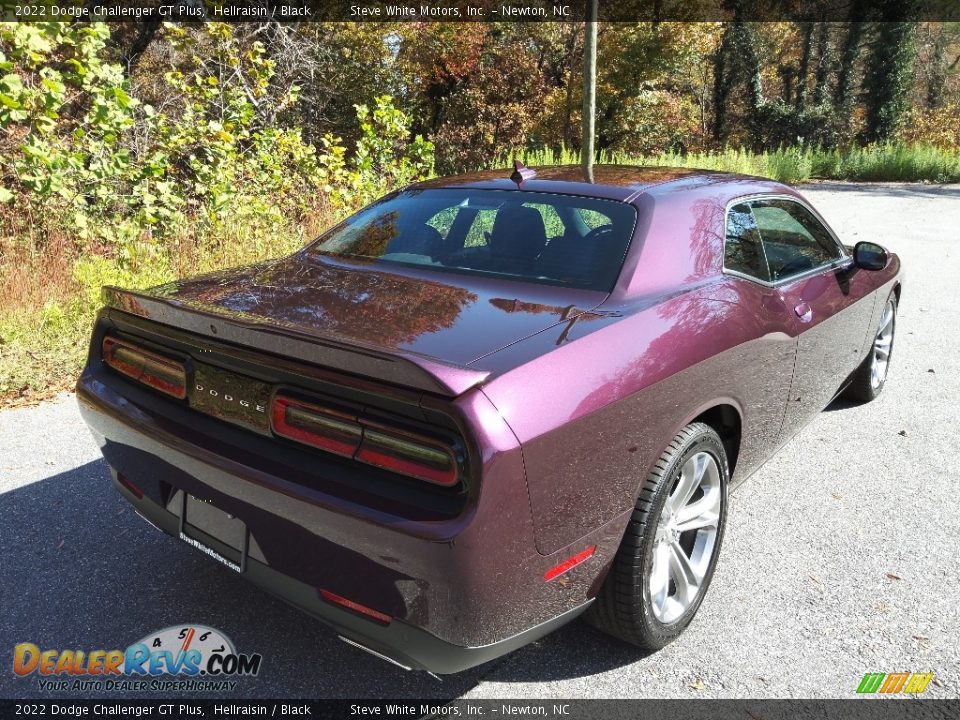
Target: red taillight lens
{"type": "Point", "coordinates": [354, 606]}
{"type": "Point", "coordinates": [415, 457]}
{"type": "Point", "coordinates": [370, 443]}
{"type": "Point", "coordinates": [314, 425]}
{"type": "Point", "coordinates": [161, 373]}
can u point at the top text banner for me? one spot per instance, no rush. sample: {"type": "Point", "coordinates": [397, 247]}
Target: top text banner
{"type": "Point", "coordinates": [476, 10]}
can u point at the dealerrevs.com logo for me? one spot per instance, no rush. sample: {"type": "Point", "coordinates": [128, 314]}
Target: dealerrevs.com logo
{"type": "Point", "coordinates": [186, 657]}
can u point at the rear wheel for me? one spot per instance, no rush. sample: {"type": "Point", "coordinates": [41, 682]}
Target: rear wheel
{"type": "Point", "coordinates": [871, 376]}
{"type": "Point", "coordinates": [667, 557]}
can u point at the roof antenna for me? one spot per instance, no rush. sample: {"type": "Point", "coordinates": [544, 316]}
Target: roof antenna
{"type": "Point", "coordinates": [521, 172]}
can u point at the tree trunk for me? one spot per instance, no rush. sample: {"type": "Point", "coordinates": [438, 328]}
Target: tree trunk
{"type": "Point", "coordinates": [737, 64]}
{"type": "Point", "coordinates": [824, 59]}
{"type": "Point", "coordinates": [807, 29]}
{"type": "Point", "coordinates": [937, 79]}
{"type": "Point", "coordinates": [786, 77]}
{"type": "Point", "coordinates": [721, 86]}
{"type": "Point", "coordinates": [569, 139]}
{"type": "Point", "coordinates": [888, 78]}
{"type": "Point", "coordinates": [751, 63]}
{"type": "Point", "coordinates": [589, 90]}
{"type": "Point", "coordinates": [848, 59]}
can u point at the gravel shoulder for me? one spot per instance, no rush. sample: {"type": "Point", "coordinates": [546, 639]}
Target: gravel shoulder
{"type": "Point", "coordinates": [840, 557]}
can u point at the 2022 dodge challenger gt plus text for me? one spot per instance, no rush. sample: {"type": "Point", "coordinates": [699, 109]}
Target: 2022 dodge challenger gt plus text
{"type": "Point", "coordinates": [486, 404]}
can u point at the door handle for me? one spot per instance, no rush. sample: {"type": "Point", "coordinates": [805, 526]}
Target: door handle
{"type": "Point", "coordinates": [804, 312]}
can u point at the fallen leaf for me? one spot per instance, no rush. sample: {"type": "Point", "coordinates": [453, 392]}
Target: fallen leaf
{"type": "Point", "coordinates": [836, 496]}
{"type": "Point", "coordinates": [697, 684]}
{"type": "Point", "coordinates": [62, 542]}
{"type": "Point", "coordinates": [816, 579]}
{"type": "Point", "coordinates": [893, 576]}
{"type": "Point", "coordinates": [937, 682]}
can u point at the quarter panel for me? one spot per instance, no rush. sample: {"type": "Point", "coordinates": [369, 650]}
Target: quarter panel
{"type": "Point", "coordinates": [594, 414]}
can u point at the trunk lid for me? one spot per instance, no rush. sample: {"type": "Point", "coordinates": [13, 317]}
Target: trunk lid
{"type": "Point", "coordinates": [416, 328]}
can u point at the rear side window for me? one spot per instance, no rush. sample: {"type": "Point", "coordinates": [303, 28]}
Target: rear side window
{"type": "Point", "coordinates": [743, 250]}
{"type": "Point", "coordinates": [536, 237]}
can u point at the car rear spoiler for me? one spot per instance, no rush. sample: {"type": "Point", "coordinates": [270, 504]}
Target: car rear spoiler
{"type": "Point", "coordinates": [405, 369]}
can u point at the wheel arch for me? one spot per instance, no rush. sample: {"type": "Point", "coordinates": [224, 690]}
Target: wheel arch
{"type": "Point", "coordinates": [726, 420]}
{"type": "Point", "coordinates": [725, 416]}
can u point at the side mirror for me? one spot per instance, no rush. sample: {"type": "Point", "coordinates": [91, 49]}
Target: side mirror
{"type": "Point", "coordinates": [870, 256]}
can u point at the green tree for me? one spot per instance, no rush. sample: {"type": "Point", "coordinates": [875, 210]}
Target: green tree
{"type": "Point", "coordinates": [847, 62]}
{"type": "Point", "coordinates": [888, 78]}
{"type": "Point", "coordinates": [64, 114]}
{"type": "Point", "coordinates": [737, 65]}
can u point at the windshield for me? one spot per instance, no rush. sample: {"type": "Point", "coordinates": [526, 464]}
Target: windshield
{"type": "Point", "coordinates": [537, 237]}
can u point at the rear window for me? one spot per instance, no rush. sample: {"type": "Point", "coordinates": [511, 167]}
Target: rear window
{"type": "Point", "coordinates": [536, 237]}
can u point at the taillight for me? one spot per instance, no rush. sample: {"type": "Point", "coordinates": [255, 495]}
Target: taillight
{"type": "Point", "coordinates": [161, 373]}
{"type": "Point", "coordinates": [321, 427]}
{"type": "Point", "coordinates": [367, 442]}
{"type": "Point", "coordinates": [417, 458]}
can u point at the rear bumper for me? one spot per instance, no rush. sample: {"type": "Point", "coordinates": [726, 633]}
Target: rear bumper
{"type": "Point", "coordinates": [401, 643]}
{"type": "Point", "coordinates": [459, 592]}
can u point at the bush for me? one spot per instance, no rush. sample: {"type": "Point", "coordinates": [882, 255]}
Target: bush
{"type": "Point", "coordinates": [781, 125]}
{"type": "Point", "coordinates": [137, 196]}
{"type": "Point", "coordinates": [652, 121]}
{"type": "Point", "coordinates": [939, 127]}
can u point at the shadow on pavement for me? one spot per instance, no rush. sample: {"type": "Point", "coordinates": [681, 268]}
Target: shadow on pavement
{"type": "Point", "coordinates": [842, 403]}
{"type": "Point", "coordinates": [79, 570]}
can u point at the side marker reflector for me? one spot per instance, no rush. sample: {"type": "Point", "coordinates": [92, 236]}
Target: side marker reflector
{"type": "Point", "coordinates": [569, 563]}
{"type": "Point", "coordinates": [137, 492]}
{"type": "Point", "coordinates": [356, 607]}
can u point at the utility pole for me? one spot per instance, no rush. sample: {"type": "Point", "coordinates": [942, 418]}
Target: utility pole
{"type": "Point", "coordinates": [589, 91]}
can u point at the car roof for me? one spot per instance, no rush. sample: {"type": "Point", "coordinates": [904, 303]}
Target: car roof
{"type": "Point", "coordinates": [613, 182]}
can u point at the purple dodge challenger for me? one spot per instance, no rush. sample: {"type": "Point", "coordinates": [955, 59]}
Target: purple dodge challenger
{"type": "Point", "coordinates": [487, 404]}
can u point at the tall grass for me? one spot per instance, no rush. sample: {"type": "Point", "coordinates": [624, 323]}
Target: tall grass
{"type": "Point", "coordinates": [51, 290]}
{"type": "Point", "coordinates": [884, 162]}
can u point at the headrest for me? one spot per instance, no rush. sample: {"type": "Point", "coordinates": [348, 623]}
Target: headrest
{"type": "Point", "coordinates": [518, 232]}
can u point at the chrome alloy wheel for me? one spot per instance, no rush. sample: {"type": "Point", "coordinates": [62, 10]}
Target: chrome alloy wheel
{"type": "Point", "coordinates": [686, 537]}
{"type": "Point", "coordinates": [882, 346]}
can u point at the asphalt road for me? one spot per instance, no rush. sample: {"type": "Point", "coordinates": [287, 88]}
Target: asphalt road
{"type": "Point", "coordinates": [842, 555]}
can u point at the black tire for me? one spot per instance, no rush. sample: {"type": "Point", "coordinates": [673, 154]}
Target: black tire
{"type": "Point", "coordinates": [624, 607]}
{"type": "Point", "coordinates": [863, 387]}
